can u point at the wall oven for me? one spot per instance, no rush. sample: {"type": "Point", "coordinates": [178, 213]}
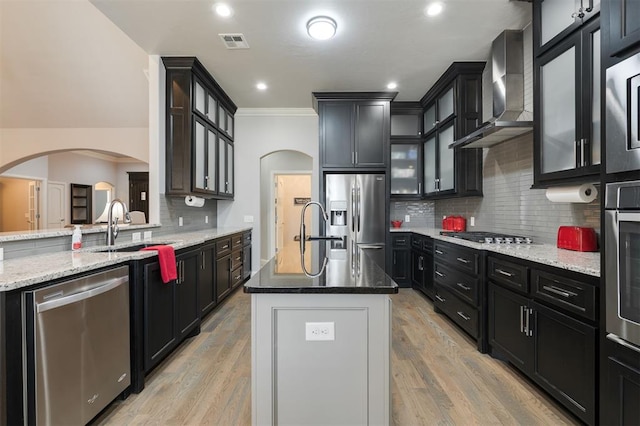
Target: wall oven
{"type": "Point", "coordinates": [622, 263]}
{"type": "Point", "coordinates": [623, 116]}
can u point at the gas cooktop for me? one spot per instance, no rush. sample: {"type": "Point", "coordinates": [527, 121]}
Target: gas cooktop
{"type": "Point", "coordinates": [488, 237]}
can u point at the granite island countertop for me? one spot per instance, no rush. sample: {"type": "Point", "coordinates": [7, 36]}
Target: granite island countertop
{"type": "Point", "coordinates": [342, 273]}
{"type": "Point", "coordinates": [25, 271]}
{"type": "Point", "coordinates": [583, 262]}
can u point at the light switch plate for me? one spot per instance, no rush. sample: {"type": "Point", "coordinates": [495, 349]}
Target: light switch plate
{"type": "Point", "coordinates": [248, 219]}
{"type": "Point", "coordinates": [407, 218]}
{"type": "Point", "coordinates": [320, 331]}
{"type": "Point", "coordinates": [472, 221]}
{"type": "Point", "coordinates": [135, 236]}
{"type": "Point", "coordinates": [180, 221]}
{"type": "Point", "coordinates": [1, 253]}
{"type": "Point", "coordinates": [206, 219]}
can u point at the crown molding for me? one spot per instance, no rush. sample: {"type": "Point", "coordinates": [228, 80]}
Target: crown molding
{"type": "Point", "coordinates": [272, 112]}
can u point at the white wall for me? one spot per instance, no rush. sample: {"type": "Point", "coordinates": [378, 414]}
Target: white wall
{"type": "Point", "coordinates": [258, 133]}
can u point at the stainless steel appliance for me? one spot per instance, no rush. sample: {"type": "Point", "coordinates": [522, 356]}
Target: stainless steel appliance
{"type": "Point", "coordinates": [623, 116]}
{"type": "Point", "coordinates": [488, 237]}
{"type": "Point", "coordinates": [355, 207]}
{"type": "Point", "coordinates": [622, 263]}
{"type": "Point", "coordinates": [77, 357]}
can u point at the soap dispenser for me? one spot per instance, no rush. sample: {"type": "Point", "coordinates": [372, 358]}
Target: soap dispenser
{"type": "Point", "coordinates": [76, 238]}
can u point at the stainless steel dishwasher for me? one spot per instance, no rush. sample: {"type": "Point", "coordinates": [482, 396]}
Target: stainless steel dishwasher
{"type": "Point", "coordinates": [76, 354]}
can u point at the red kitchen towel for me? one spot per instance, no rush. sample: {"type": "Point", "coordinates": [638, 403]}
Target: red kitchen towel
{"type": "Point", "coordinates": [167, 259]}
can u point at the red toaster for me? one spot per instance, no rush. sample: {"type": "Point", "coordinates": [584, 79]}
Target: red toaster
{"type": "Point", "coordinates": [577, 238]}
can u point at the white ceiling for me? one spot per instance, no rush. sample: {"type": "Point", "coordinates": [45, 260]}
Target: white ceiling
{"type": "Point", "coordinates": [65, 64]}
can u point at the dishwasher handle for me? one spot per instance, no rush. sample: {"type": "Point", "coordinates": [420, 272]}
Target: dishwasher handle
{"type": "Point", "coordinates": [63, 301]}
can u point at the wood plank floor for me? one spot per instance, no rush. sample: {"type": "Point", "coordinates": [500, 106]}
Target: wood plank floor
{"type": "Point", "coordinates": [439, 378]}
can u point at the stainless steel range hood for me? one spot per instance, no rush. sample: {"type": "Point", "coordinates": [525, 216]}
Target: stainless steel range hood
{"type": "Point", "coordinates": [507, 54]}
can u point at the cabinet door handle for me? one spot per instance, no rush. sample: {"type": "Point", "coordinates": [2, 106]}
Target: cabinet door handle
{"type": "Point", "coordinates": [463, 260]}
{"type": "Point", "coordinates": [526, 321]}
{"type": "Point", "coordinates": [439, 252]}
{"type": "Point", "coordinates": [583, 160]}
{"type": "Point", "coordinates": [419, 187]}
{"type": "Point", "coordinates": [529, 312]}
{"type": "Point", "coordinates": [464, 287]}
{"type": "Point", "coordinates": [500, 271]}
{"type": "Point", "coordinates": [463, 316]}
{"type": "Point", "coordinates": [521, 319]}
{"type": "Point", "coordinates": [441, 299]}
{"type": "Point", "coordinates": [395, 262]}
{"type": "Point", "coordinates": [420, 263]}
{"type": "Point", "coordinates": [558, 291]}
{"type": "Point", "coordinates": [440, 274]}
{"type": "Point", "coordinates": [202, 266]}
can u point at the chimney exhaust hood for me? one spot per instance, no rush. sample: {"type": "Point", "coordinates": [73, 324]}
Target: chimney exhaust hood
{"type": "Point", "coordinates": [507, 52]}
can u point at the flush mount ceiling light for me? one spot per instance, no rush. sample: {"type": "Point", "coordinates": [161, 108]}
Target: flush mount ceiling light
{"type": "Point", "coordinates": [433, 9]}
{"type": "Point", "coordinates": [392, 85]}
{"type": "Point", "coordinates": [261, 86]}
{"type": "Point", "coordinates": [321, 27]}
{"type": "Point", "coordinates": [222, 10]}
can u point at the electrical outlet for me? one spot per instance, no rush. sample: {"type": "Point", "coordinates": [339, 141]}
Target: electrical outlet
{"type": "Point", "coordinates": [135, 236]}
{"type": "Point", "coordinates": [407, 218]}
{"type": "Point", "coordinates": [472, 221]}
{"type": "Point", "coordinates": [320, 331]}
{"type": "Point", "coordinates": [180, 222]}
{"type": "Point", "coordinates": [148, 235]}
{"type": "Point", "coordinates": [248, 219]}
{"type": "Point", "coordinates": [206, 219]}
{"type": "Point", "coordinates": [1, 253]}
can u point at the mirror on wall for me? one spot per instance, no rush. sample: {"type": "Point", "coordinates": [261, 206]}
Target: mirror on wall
{"type": "Point", "coordinates": [36, 194]}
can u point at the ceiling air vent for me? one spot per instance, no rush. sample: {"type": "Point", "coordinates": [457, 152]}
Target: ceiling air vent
{"type": "Point", "coordinates": [234, 41]}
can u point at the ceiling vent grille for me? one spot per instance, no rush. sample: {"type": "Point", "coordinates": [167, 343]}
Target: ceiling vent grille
{"type": "Point", "coordinates": [234, 41]}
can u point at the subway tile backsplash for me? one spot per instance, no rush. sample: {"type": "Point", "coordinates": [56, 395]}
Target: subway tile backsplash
{"type": "Point", "coordinates": [509, 204]}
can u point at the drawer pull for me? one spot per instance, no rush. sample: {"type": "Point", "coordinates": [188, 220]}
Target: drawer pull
{"type": "Point", "coordinates": [226, 246]}
{"type": "Point", "coordinates": [441, 299]}
{"type": "Point", "coordinates": [440, 274]}
{"type": "Point", "coordinates": [505, 273]}
{"type": "Point", "coordinates": [464, 287]}
{"type": "Point", "coordinates": [463, 260]}
{"type": "Point", "coordinates": [463, 316]}
{"type": "Point", "coordinates": [560, 292]}
{"type": "Point", "coordinates": [238, 258]}
{"type": "Point", "coordinates": [237, 277]}
{"type": "Point", "coordinates": [439, 252]}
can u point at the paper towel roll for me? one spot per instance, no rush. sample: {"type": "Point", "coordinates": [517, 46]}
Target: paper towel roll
{"type": "Point", "coordinates": [585, 193]}
{"type": "Point", "coordinates": [192, 201]}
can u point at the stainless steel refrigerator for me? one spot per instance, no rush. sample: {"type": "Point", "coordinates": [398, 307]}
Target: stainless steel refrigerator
{"type": "Point", "coordinates": [355, 204]}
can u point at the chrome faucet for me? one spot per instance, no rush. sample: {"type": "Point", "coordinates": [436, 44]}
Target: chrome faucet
{"type": "Point", "coordinates": [112, 225]}
{"type": "Point", "coordinates": [304, 238]}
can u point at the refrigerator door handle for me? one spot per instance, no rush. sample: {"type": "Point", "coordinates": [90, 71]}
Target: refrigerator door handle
{"type": "Point", "coordinates": [359, 200]}
{"type": "Point", "coordinates": [353, 209]}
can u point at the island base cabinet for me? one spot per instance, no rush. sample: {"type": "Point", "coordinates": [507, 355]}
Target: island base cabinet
{"type": "Point", "coordinates": [300, 377]}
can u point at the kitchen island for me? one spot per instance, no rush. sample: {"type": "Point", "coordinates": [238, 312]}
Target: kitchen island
{"type": "Point", "coordinates": [320, 340]}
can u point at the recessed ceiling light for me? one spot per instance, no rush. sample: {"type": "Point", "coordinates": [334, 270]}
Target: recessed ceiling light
{"type": "Point", "coordinates": [222, 10]}
{"type": "Point", "coordinates": [392, 85]}
{"type": "Point", "coordinates": [321, 27]}
{"type": "Point", "coordinates": [261, 86]}
{"type": "Point", "coordinates": [434, 9]}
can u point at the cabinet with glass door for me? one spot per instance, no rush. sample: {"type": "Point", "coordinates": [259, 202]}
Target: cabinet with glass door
{"type": "Point", "coordinates": [406, 148]}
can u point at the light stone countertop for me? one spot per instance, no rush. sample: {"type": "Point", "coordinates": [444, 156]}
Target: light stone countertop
{"type": "Point", "coordinates": [51, 233]}
{"type": "Point", "coordinates": [548, 254]}
{"type": "Point", "coordinates": [29, 270]}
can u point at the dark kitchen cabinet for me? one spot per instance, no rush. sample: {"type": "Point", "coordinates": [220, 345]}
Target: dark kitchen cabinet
{"type": "Point", "coordinates": [223, 267]}
{"type": "Point", "coordinates": [206, 279]}
{"type": "Point", "coordinates": [246, 255]}
{"type": "Point", "coordinates": [554, 20]}
{"type": "Point", "coordinates": [567, 129]}
{"type": "Point", "coordinates": [354, 129]}
{"type": "Point", "coordinates": [452, 109]}
{"type": "Point", "coordinates": [458, 288]}
{"type": "Point", "coordinates": [199, 119]}
{"type": "Point", "coordinates": [623, 18]}
{"type": "Point", "coordinates": [400, 252]}
{"type": "Point", "coordinates": [620, 385]}
{"type": "Point", "coordinates": [406, 150]}
{"type": "Point", "coordinates": [237, 272]}
{"type": "Point", "coordinates": [422, 264]}
{"type": "Point", "coordinates": [170, 309]}
{"type": "Point", "coordinates": [544, 323]}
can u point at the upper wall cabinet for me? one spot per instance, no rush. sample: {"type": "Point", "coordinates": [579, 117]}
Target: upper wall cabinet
{"type": "Point", "coordinates": [199, 133]}
{"type": "Point", "coordinates": [623, 18]}
{"type": "Point", "coordinates": [567, 105]}
{"type": "Point", "coordinates": [354, 129]}
{"type": "Point", "coordinates": [452, 108]}
{"type": "Point", "coordinates": [559, 18]}
{"type": "Point", "coordinates": [406, 150]}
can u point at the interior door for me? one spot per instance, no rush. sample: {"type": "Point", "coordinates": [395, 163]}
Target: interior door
{"type": "Point", "coordinates": [139, 192]}
{"type": "Point", "coordinates": [34, 205]}
{"type": "Point", "coordinates": [55, 205]}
